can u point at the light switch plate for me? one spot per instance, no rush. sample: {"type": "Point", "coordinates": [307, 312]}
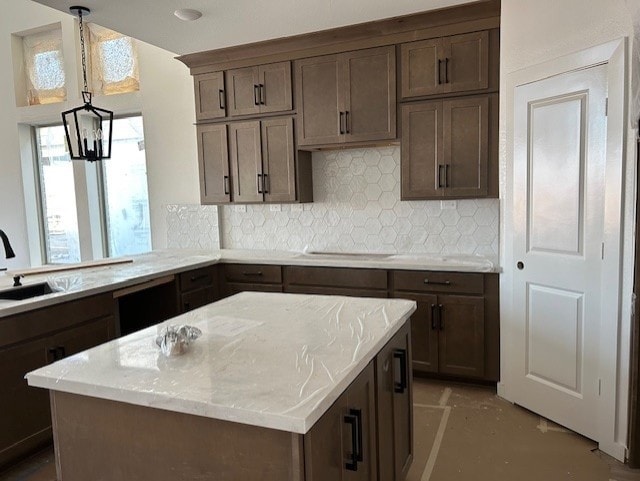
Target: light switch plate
{"type": "Point", "coordinates": [297, 207]}
{"type": "Point", "coordinates": [241, 208]}
{"type": "Point", "coordinates": [448, 204]}
{"type": "Point", "coordinates": [275, 207]}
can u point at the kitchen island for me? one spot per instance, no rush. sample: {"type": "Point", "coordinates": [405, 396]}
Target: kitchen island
{"type": "Point", "coordinates": [279, 387]}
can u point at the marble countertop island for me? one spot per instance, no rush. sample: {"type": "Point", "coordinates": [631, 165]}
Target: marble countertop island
{"type": "Point", "coordinates": [272, 360]}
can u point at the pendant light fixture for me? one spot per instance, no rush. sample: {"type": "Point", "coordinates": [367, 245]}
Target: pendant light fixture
{"type": "Point", "coordinates": [85, 123]}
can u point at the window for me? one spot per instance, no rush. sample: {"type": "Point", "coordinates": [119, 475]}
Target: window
{"type": "Point", "coordinates": [119, 185]}
{"type": "Point", "coordinates": [114, 62]}
{"type": "Point", "coordinates": [44, 67]}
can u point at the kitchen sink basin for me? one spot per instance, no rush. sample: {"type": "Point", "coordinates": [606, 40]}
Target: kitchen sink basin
{"type": "Point", "coordinates": [26, 292]}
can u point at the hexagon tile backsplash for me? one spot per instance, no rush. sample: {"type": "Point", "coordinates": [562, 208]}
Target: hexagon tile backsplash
{"type": "Point", "coordinates": [192, 227]}
{"type": "Point", "coordinates": [357, 208]}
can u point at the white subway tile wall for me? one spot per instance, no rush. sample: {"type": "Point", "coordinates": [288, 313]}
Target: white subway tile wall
{"type": "Point", "coordinates": [192, 227]}
{"type": "Point", "coordinates": [356, 208]}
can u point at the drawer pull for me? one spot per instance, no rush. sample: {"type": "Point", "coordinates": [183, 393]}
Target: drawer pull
{"type": "Point", "coordinates": [434, 317]}
{"type": "Point", "coordinates": [258, 273]}
{"type": "Point", "coordinates": [199, 278]}
{"type": "Point", "coordinates": [437, 283]}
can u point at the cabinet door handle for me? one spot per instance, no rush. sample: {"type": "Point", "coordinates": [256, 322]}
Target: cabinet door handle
{"type": "Point", "coordinates": [354, 419]}
{"type": "Point", "coordinates": [265, 183]}
{"type": "Point", "coordinates": [198, 278]}
{"type": "Point", "coordinates": [187, 306]}
{"type": "Point", "coordinates": [58, 352]}
{"type": "Point", "coordinates": [256, 95]}
{"type": "Point", "coordinates": [53, 352]}
{"type": "Point", "coordinates": [340, 123]}
{"type": "Point", "coordinates": [446, 70]}
{"type": "Point", "coordinates": [440, 186]}
{"type": "Point", "coordinates": [225, 183]}
{"type": "Point", "coordinates": [439, 72]}
{"type": "Point", "coordinates": [440, 317]}
{"type": "Point", "coordinates": [401, 355]}
{"type": "Point", "coordinates": [446, 175]}
{"type": "Point", "coordinates": [437, 283]}
{"type": "Point", "coordinates": [259, 184]}
{"type": "Point", "coordinates": [221, 98]}
{"type": "Point", "coordinates": [258, 273]}
{"type": "Point", "coordinates": [262, 94]}
{"type": "Point", "coordinates": [434, 317]}
{"type": "Point", "coordinates": [347, 128]}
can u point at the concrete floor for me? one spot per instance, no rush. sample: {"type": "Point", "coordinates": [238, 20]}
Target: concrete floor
{"type": "Point", "coordinates": [467, 433]}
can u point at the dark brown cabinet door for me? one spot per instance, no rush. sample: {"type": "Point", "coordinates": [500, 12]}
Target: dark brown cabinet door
{"type": "Point", "coordinates": [213, 161]}
{"type": "Point", "coordinates": [459, 63]}
{"type": "Point", "coordinates": [461, 335]}
{"type": "Point", "coordinates": [369, 92]}
{"type": "Point", "coordinates": [278, 160]}
{"type": "Point", "coordinates": [466, 146]}
{"type": "Point", "coordinates": [395, 413]}
{"type": "Point", "coordinates": [84, 337]}
{"type": "Point", "coordinates": [275, 87]}
{"type": "Point", "coordinates": [244, 91]}
{"type": "Point", "coordinates": [421, 69]}
{"type": "Point", "coordinates": [246, 162]}
{"type": "Point", "coordinates": [210, 96]}
{"type": "Point", "coordinates": [424, 332]}
{"type": "Point", "coordinates": [422, 166]}
{"type": "Point", "coordinates": [194, 299]}
{"type": "Point", "coordinates": [467, 62]}
{"type": "Point", "coordinates": [331, 448]}
{"type": "Point", "coordinates": [319, 104]}
{"type": "Point", "coordinates": [25, 422]}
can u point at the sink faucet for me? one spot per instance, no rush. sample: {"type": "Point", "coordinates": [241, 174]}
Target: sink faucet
{"type": "Point", "coordinates": [7, 248]}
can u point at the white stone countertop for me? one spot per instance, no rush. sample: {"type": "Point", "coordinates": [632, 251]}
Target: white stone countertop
{"type": "Point", "coordinates": [272, 360]}
{"type": "Point", "coordinates": [75, 284]}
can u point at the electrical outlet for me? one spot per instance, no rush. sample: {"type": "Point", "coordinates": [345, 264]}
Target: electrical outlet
{"type": "Point", "coordinates": [241, 208]}
{"type": "Point", "coordinates": [275, 208]}
{"type": "Point", "coordinates": [448, 204]}
{"type": "Point", "coordinates": [297, 207]}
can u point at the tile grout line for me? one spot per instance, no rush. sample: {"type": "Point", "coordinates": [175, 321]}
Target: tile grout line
{"type": "Point", "coordinates": [428, 470]}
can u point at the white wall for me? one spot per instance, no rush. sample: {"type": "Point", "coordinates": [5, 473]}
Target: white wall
{"type": "Point", "coordinates": [533, 32]}
{"type": "Point", "coordinates": [166, 101]}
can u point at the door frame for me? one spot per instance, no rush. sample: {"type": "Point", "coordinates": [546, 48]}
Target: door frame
{"type": "Point", "coordinates": [615, 313]}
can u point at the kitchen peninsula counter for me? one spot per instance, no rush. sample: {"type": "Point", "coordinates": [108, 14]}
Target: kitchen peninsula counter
{"type": "Point", "coordinates": [276, 362]}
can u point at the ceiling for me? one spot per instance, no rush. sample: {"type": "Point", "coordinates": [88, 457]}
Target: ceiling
{"type": "Point", "coordinates": [226, 23]}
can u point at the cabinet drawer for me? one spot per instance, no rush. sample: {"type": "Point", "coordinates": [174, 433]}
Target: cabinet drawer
{"type": "Point", "coordinates": [337, 291]}
{"type": "Point", "coordinates": [253, 273]}
{"type": "Point", "coordinates": [427, 281]}
{"type": "Point", "coordinates": [336, 277]}
{"type": "Point", "coordinates": [194, 299]}
{"type": "Point", "coordinates": [196, 278]}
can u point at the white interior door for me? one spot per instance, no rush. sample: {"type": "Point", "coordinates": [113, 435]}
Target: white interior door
{"type": "Point", "coordinates": [559, 186]}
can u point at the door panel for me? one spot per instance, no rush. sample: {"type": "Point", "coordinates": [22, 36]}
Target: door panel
{"type": "Point", "coordinates": [466, 146]}
{"type": "Point", "coordinates": [275, 81]}
{"type": "Point", "coordinates": [424, 332]}
{"type": "Point", "coordinates": [461, 336]}
{"type": "Point", "coordinates": [278, 157]}
{"type": "Point", "coordinates": [468, 64]}
{"type": "Point", "coordinates": [559, 164]}
{"type": "Point", "coordinates": [210, 95]}
{"type": "Point", "coordinates": [422, 150]}
{"type": "Point", "coordinates": [361, 396]}
{"type": "Point", "coordinates": [422, 68]}
{"type": "Point", "coordinates": [244, 97]}
{"type": "Point", "coordinates": [213, 161]}
{"type": "Point", "coordinates": [85, 337]}
{"type": "Point", "coordinates": [318, 102]}
{"type": "Point", "coordinates": [370, 94]}
{"type": "Point", "coordinates": [246, 161]}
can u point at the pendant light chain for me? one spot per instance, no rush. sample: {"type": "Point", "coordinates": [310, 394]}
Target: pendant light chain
{"type": "Point", "coordinates": [84, 58]}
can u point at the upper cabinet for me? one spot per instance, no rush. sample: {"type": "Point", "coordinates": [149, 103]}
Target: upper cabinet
{"type": "Point", "coordinates": [259, 90]}
{"type": "Point", "coordinates": [210, 96]}
{"type": "Point", "coordinates": [459, 63]}
{"type": "Point", "coordinates": [348, 97]}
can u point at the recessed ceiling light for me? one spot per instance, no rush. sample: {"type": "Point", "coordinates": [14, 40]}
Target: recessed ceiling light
{"type": "Point", "coordinates": [187, 14]}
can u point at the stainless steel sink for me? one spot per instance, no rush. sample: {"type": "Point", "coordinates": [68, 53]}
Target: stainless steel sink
{"type": "Point", "coordinates": [26, 292]}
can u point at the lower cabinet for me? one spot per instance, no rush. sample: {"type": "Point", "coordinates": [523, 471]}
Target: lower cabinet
{"type": "Point", "coordinates": [30, 341]}
{"type": "Point", "coordinates": [336, 281]}
{"type": "Point", "coordinates": [250, 277]}
{"type": "Point", "coordinates": [198, 288]}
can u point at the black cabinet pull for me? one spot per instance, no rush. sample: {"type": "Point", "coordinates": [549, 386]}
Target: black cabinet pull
{"type": "Point", "coordinates": [401, 355]}
{"type": "Point", "coordinates": [439, 72]}
{"type": "Point", "coordinates": [265, 183]}
{"type": "Point", "coordinates": [437, 283]}
{"type": "Point", "coordinates": [347, 128]}
{"type": "Point", "coordinates": [434, 315]}
{"type": "Point", "coordinates": [440, 317]}
{"type": "Point", "coordinates": [340, 123]}
{"type": "Point", "coordinates": [53, 352]}
{"type": "Point", "coordinates": [258, 273]}
{"type": "Point", "coordinates": [221, 98]}
{"type": "Point", "coordinates": [446, 175]}
{"type": "Point", "coordinates": [446, 70]}
{"type": "Point", "coordinates": [262, 95]}
{"type": "Point", "coordinates": [225, 183]}
{"type": "Point", "coordinates": [260, 190]}
{"type": "Point", "coordinates": [57, 352]}
{"type": "Point", "coordinates": [187, 306]}
{"type": "Point", "coordinates": [440, 166]}
{"type": "Point", "coordinates": [256, 95]}
{"type": "Point", "coordinates": [199, 278]}
{"type": "Point", "coordinates": [354, 419]}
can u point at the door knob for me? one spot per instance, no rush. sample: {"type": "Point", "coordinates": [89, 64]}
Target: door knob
{"type": "Point", "coordinates": [520, 265]}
